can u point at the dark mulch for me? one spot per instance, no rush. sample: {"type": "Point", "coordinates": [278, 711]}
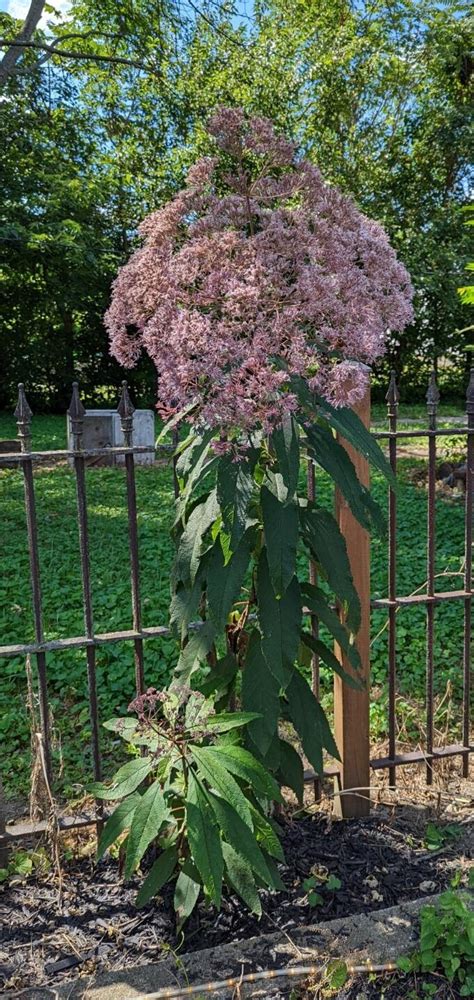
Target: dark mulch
{"type": "Point", "coordinates": [379, 861]}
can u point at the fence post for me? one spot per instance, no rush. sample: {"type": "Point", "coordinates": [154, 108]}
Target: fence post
{"type": "Point", "coordinates": [351, 707]}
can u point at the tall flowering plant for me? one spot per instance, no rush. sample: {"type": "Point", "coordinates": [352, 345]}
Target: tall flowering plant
{"type": "Point", "coordinates": [261, 294]}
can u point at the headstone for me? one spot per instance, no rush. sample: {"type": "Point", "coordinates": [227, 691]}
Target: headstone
{"type": "Point", "coordinates": [102, 429]}
{"type": "Point", "coordinates": [9, 447]}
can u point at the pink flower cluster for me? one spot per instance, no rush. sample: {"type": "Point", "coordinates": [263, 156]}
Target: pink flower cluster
{"type": "Point", "coordinates": [257, 259]}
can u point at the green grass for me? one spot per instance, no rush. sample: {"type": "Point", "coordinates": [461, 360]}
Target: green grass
{"type": "Point", "coordinates": [62, 602]}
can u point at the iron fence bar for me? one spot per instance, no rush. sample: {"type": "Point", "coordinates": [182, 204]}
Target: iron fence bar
{"type": "Point", "coordinates": [392, 398]}
{"type": "Point", "coordinates": [63, 453]}
{"type": "Point", "coordinates": [420, 756]}
{"type": "Point", "coordinates": [76, 413]}
{"type": "Point", "coordinates": [126, 411]}
{"type": "Point", "coordinates": [468, 574]}
{"type": "Point", "coordinates": [313, 578]}
{"type": "Point", "coordinates": [439, 432]}
{"type": "Point", "coordinates": [23, 416]}
{"type": "Point", "coordinates": [432, 401]}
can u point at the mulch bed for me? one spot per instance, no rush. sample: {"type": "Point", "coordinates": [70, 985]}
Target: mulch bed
{"type": "Point", "coordinates": [380, 862]}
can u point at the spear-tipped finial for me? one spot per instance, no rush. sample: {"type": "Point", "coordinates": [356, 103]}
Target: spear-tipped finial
{"type": "Point", "coordinates": [76, 413]}
{"type": "Point", "coordinates": [126, 409]}
{"type": "Point", "coordinates": [393, 396]}
{"type": "Point", "coordinates": [23, 415]}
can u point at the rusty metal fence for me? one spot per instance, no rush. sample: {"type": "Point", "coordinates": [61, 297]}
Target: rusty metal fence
{"type": "Point", "coordinates": [90, 641]}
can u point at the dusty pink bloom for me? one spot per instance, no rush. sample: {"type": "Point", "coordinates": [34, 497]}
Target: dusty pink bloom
{"type": "Point", "coordinates": [257, 259]}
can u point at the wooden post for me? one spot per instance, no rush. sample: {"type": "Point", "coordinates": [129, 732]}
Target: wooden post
{"type": "Point", "coordinates": [351, 707]}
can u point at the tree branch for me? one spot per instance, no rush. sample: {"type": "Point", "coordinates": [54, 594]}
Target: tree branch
{"type": "Point", "coordinates": [13, 53]}
{"type": "Point", "coordinates": [65, 54]}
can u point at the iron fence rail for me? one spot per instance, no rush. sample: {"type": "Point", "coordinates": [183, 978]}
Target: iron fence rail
{"type": "Point", "coordinates": [90, 641]}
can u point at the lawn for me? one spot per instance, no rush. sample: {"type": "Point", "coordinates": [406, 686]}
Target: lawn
{"type": "Point", "coordinates": [62, 600]}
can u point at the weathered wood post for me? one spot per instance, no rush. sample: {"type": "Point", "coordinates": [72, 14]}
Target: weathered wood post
{"type": "Point", "coordinates": [351, 707]}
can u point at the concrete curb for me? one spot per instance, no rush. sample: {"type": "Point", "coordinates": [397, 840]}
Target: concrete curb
{"type": "Point", "coordinates": [379, 937]}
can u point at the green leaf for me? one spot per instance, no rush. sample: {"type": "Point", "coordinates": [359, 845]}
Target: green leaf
{"type": "Point", "coordinates": [221, 675]}
{"type": "Point", "coordinates": [350, 426]}
{"type": "Point", "coordinates": [224, 582]}
{"type": "Point", "coordinates": [186, 895]}
{"type": "Point", "coordinates": [244, 765]}
{"type": "Point", "coordinates": [404, 964]}
{"type": "Point", "coordinates": [337, 973]}
{"type": "Point", "coordinates": [285, 441]}
{"type": "Point", "coordinates": [185, 602]}
{"type": "Point", "coordinates": [119, 821]}
{"type": "Point", "coordinates": [280, 525]}
{"type": "Point", "coordinates": [124, 727]}
{"type": "Point", "coordinates": [238, 835]}
{"type": "Point", "coordinates": [127, 779]}
{"type": "Point", "coordinates": [267, 836]}
{"type": "Point", "coordinates": [291, 771]}
{"type": "Point", "coordinates": [310, 722]}
{"type": "Point", "coordinates": [280, 622]}
{"type": "Point", "coordinates": [190, 547]}
{"type": "Point", "coordinates": [315, 600]}
{"type": "Point", "coordinates": [239, 874]}
{"type": "Point", "coordinates": [332, 457]}
{"type": "Point", "coordinates": [315, 899]}
{"type": "Point", "coordinates": [194, 653]}
{"type": "Point", "coordinates": [225, 721]}
{"type": "Point", "coordinates": [204, 839]}
{"type": "Point", "coordinates": [160, 872]}
{"type": "Point", "coordinates": [212, 769]}
{"type": "Point", "coordinates": [260, 693]}
{"type": "Point", "coordinates": [148, 817]}
{"type": "Point", "coordinates": [321, 533]}
{"type": "Point", "coordinates": [333, 883]}
{"type": "Point", "coordinates": [235, 487]}
{"type": "Point", "coordinates": [327, 656]}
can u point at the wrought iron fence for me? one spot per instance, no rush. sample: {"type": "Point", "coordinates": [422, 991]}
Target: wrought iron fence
{"type": "Point", "coordinates": [26, 459]}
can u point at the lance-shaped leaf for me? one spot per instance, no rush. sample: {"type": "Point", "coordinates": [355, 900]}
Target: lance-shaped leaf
{"type": "Point", "coordinates": [226, 721]}
{"type": "Point", "coordinates": [240, 837]}
{"type": "Point", "coordinates": [186, 895]}
{"type": "Point", "coordinates": [267, 836]}
{"type": "Point", "coordinates": [315, 600]}
{"type": "Point", "coordinates": [204, 839]}
{"type": "Point", "coordinates": [185, 601]}
{"type": "Point", "coordinates": [310, 722]}
{"type": "Point", "coordinates": [291, 771]}
{"type": "Point", "coordinates": [285, 441]}
{"type": "Point", "coordinates": [260, 694]}
{"type": "Point", "coordinates": [212, 769]}
{"type": "Point", "coordinates": [280, 525]}
{"type": "Point", "coordinates": [119, 821]}
{"type": "Point", "coordinates": [160, 872]}
{"type": "Point", "coordinates": [327, 656]}
{"type": "Point", "coordinates": [221, 675]}
{"type": "Point", "coordinates": [199, 644]}
{"type": "Point", "coordinates": [191, 543]}
{"type": "Point", "coordinates": [149, 815]}
{"type": "Point", "coordinates": [244, 765]}
{"type": "Point", "coordinates": [239, 875]}
{"type": "Point", "coordinates": [235, 487]}
{"type": "Point", "coordinates": [224, 582]}
{"type": "Point", "coordinates": [332, 457]}
{"type": "Point", "coordinates": [280, 622]}
{"type": "Point", "coordinates": [350, 426]}
{"type": "Point", "coordinates": [126, 781]}
{"type": "Point", "coordinates": [327, 545]}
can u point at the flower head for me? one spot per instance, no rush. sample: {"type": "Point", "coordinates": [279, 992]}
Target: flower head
{"type": "Point", "coordinates": [257, 260]}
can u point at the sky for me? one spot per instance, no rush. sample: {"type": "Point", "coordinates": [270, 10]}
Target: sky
{"type": "Point", "coordinates": [18, 8]}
